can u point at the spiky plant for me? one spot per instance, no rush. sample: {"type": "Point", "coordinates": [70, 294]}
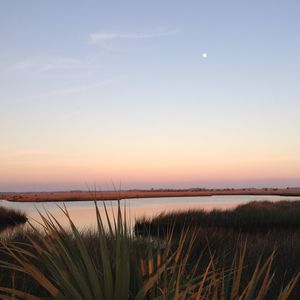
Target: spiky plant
{"type": "Point", "coordinates": [121, 266]}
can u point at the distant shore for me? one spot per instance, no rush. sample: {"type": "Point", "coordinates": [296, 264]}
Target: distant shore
{"type": "Point", "coordinates": [129, 194]}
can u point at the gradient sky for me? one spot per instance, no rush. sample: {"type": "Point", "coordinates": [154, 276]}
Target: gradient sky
{"type": "Point", "coordinates": [101, 91]}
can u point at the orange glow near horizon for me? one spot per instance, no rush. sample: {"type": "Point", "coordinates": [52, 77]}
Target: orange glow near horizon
{"type": "Point", "coordinates": [152, 171]}
{"type": "Point", "coordinates": [167, 163]}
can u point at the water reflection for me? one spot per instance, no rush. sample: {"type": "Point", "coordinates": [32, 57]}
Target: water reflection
{"type": "Point", "coordinates": [84, 216]}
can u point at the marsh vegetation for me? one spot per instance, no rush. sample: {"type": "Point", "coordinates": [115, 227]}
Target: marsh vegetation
{"type": "Point", "coordinates": [186, 261]}
{"type": "Point", "coordinates": [11, 218]}
{"type": "Point", "coordinates": [264, 226]}
{"type": "Point", "coordinates": [255, 217]}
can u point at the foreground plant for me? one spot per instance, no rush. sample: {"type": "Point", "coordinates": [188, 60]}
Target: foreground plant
{"type": "Point", "coordinates": [117, 265]}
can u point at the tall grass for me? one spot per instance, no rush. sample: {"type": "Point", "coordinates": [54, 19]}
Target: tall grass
{"type": "Point", "coordinates": [255, 217]}
{"type": "Point", "coordinates": [264, 225]}
{"type": "Point", "coordinates": [11, 217]}
{"type": "Point", "coordinates": [112, 263]}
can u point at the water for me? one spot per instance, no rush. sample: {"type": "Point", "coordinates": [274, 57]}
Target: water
{"type": "Point", "coordinates": [83, 212]}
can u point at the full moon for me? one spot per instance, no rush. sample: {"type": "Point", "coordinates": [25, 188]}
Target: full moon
{"type": "Point", "coordinates": [204, 55]}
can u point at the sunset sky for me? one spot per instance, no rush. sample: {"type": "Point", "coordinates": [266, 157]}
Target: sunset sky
{"type": "Point", "coordinates": [149, 93]}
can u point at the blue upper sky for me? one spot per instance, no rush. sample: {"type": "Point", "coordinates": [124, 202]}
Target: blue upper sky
{"type": "Point", "coordinates": [100, 90]}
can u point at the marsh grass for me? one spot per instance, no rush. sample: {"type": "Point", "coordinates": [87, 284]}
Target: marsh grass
{"type": "Point", "coordinates": [112, 263]}
{"type": "Point", "coordinates": [264, 225]}
{"type": "Point", "coordinates": [11, 217]}
{"type": "Point", "coordinates": [253, 217]}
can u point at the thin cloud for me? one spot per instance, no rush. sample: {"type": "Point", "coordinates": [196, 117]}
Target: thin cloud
{"type": "Point", "coordinates": [45, 64]}
{"type": "Point", "coordinates": [101, 37]}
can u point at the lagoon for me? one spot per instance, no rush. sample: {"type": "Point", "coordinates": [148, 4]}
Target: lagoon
{"type": "Point", "coordinates": [83, 212]}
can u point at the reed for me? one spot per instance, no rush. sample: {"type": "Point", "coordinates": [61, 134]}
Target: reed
{"type": "Point", "coordinates": [253, 217]}
{"type": "Point", "coordinates": [112, 263]}
{"type": "Point", "coordinates": [264, 225]}
{"type": "Point", "coordinates": [11, 217]}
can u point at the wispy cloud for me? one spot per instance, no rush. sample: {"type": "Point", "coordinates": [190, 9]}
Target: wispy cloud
{"type": "Point", "coordinates": [44, 64]}
{"type": "Point", "coordinates": [102, 37]}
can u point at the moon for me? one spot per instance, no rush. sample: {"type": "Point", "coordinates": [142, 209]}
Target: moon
{"type": "Point", "coordinates": [204, 55]}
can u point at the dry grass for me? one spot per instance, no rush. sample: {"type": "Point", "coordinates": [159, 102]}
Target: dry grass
{"type": "Point", "coordinates": [112, 263]}
{"type": "Point", "coordinates": [116, 195]}
{"type": "Point", "coordinates": [264, 225]}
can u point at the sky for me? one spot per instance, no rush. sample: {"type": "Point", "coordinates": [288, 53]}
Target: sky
{"type": "Point", "coordinates": [149, 94]}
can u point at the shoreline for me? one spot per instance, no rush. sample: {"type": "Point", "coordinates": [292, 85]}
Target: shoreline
{"type": "Point", "coordinates": [69, 196]}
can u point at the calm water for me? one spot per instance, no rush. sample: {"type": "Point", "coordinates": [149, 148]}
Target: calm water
{"type": "Point", "coordinates": [83, 212]}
